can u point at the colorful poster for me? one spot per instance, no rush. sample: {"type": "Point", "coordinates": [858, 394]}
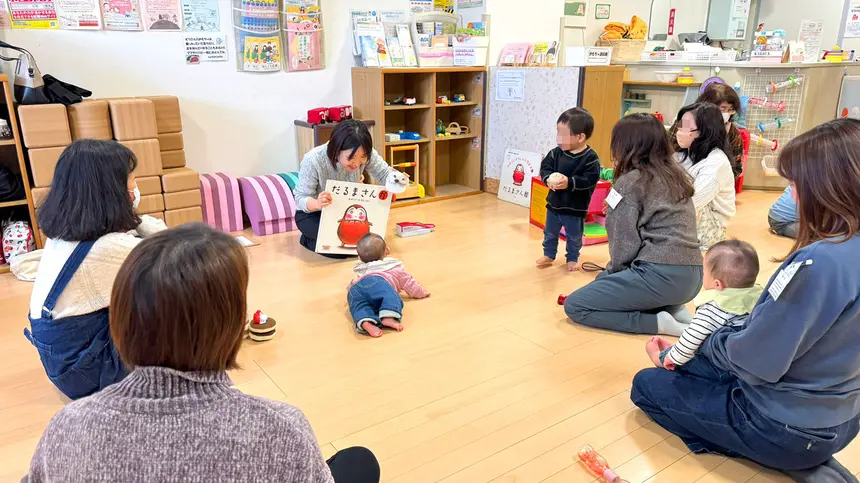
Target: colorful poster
{"type": "Point", "coordinates": [810, 35]}
{"type": "Point", "coordinates": [121, 15]}
{"type": "Point", "coordinates": [518, 169]}
{"type": "Point", "coordinates": [79, 14]}
{"type": "Point", "coordinates": [163, 15]}
{"type": "Point", "coordinates": [5, 23]}
{"type": "Point", "coordinates": [205, 48]}
{"type": "Point", "coordinates": [304, 38]}
{"type": "Point", "coordinates": [355, 210]}
{"type": "Point", "coordinates": [262, 54]}
{"type": "Point", "coordinates": [201, 16]}
{"type": "Point", "coordinates": [446, 6]}
{"type": "Point", "coordinates": [852, 21]}
{"type": "Point", "coordinates": [33, 14]}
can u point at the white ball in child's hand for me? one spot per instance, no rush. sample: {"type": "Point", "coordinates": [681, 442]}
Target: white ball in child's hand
{"type": "Point", "coordinates": [555, 179]}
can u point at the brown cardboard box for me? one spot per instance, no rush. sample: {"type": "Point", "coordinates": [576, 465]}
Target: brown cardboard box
{"type": "Point", "coordinates": [148, 156]}
{"type": "Point", "coordinates": [44, 125]}
{"type": "Point", "coordinates": [149, 185]}
{"type": "Point", "coordinates": [173, 159]}
{"type": "Point", "coordinates": [39, 195]}
{"type": "Point", "coordinates": [182, 199]}
{"type": "Point", "coordinates": [132, 119]}
{"type": "Point", "coordinates": [157, 214]}
{"type": "Point", "coordinates": [179, 179]}
{"type": "Point", "coordinates": [150, 204]}
{"type": "Point", "coordinates": [174, 218]}
{"type": "Point", "coordinates": [42, 162]}
{"type": "Point", "coordinates": [171, 141]}
{"type": "Point", "coordinates": [167, 115]}
{"type": "Point", "coordinates": [90, 120]}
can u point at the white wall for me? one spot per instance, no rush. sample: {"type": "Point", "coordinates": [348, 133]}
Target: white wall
{"type": "Point", "coordinates": [787, 15]}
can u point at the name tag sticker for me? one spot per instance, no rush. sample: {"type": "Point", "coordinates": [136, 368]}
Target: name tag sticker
{"type": "Point", "coordinates": [783, 278]}
{"type": "Point", "coordinates": [613, 198]}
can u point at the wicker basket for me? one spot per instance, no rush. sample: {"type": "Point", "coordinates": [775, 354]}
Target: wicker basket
{"type": "Point", "coordinates": [624, 50]}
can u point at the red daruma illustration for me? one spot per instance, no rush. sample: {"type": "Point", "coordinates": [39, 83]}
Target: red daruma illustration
{"type": "Point", "coordinates": [353, 226]}
{"type": "Point", "coordinates": [519, 175]}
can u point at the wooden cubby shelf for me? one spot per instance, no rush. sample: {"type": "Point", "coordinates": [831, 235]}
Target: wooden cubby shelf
{"type": "Point", "coordinates": [448, 167]}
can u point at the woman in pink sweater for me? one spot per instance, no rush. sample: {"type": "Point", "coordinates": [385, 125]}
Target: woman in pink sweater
{"type": "Point", "coordinates": [374, 297]}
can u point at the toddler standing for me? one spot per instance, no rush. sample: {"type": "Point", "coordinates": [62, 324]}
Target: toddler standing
{"type": "Point", "coordinates": [729, 295]}
{"type": "Point", "coordinates": [374, 297]}
{"type": "Point", "coordinates": [570, 171]}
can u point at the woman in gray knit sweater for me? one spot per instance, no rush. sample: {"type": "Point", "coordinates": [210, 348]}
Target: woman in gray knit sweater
{"type": "Point", "coordinates": [655, 266]}
{"type": "Point", "coordinates": [177, 314]}
{"type": "Point", "coordinates": [344, 158]}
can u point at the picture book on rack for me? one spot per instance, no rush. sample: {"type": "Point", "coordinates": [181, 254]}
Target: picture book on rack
{"type": "Point", "coordinates": [304, 38]}
{"type": "Point", "coordinates": [545, 53]}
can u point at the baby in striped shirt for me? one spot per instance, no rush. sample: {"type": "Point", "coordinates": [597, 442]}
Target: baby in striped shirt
{"type": "Point", "coordinates": [729, 295]}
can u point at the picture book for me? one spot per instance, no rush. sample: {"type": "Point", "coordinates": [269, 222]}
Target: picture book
{"type": "Point", "coordinates": [356, 16]}
{"type": "Point", "coordinates": [375, 47]}
{"type": "Point", "coordinates": [368, 51]}
{"type": "Point", "coordinates": [262, 54]}
{"type": "Point", "coordinates": [515, 54]}
{"type": "Point", "coordinates": [355, 210]}
{"type": "Point", "coordinates": [545, 53]}
{"type": "Point", "coordinates": [404, 36]}
{"type": "Point", "coordinates": [395, 51]}
{"type": "Point", "coordinates": [304, 38]}
{"type": "Point", "coordinates": [518, 168]}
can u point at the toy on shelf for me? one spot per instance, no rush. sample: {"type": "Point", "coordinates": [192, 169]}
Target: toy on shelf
{"type": "Point", "coordinates": [406, 188]}
{"type": "Point", "coordinates": [777, 123]}
{"type": "Point", "coordinates": [789, 83]}
{"type": "Point", "coordinates": [411, 228]}
{"type": "Point", "coordinates": [410, 101]}
{"type": "Point", "coordinates": [442, 100]}
{"type": "Point", "coordinates": [455, 129]}
{"type": "Point", "coordinates": [769, 46]}
{"type": "Point", "coordinates": [597, 465]}
{"type": "Point", "coordinates": [459, 98]}
{"type": "Point", "coordinates": [339, 113]}
{"type": "Point", "coordinates": [763, 103]}
{"type": "Point", "coordinates": [835, 55]}
{"type": "Point", "coordinates": [261, 327]}
{"type": "Point", "coordinates": [409, 136]}
{"type": "Point", "coordinates": [440, 128]}
{"type": "Point", "coordinates": [686, 77]}
{"type": "Point", "coordinates": [392, 137]}
{"type": "Point", "coordinates": [771, 144]}
{"type": "Point", "coordinates": [318, 115]}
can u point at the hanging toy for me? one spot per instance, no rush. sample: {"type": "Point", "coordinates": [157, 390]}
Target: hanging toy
{"type": "Point", "coordinates": [789, 83]}
{"type": "Point", "coordinates": [766, 104]}
{"type": "Point", "coordinates": [777, 123]}
{"type": "Point", "coordinates": [598, 466]}
{"type": "Point", "coordinates": [771, 144]}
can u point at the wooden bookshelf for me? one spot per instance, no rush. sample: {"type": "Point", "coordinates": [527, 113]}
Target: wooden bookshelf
{"type": "Point", "coordinates": [449, 167]}
{"type": "Point", "coordinates": [12, 156]}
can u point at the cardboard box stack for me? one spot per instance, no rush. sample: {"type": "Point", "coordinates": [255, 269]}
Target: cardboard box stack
{"type": "Point", "coordinates": [150, 127]}
{"type": "Point", "coordinates": [180, 186]}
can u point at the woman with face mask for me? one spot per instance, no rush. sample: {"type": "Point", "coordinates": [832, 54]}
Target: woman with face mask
{"type": "Point", "coordinates": [724, 97]}
{"type": "Point", "coordinates": [704, 151]}
{"type": "Point", "coordinates": [90, 221]}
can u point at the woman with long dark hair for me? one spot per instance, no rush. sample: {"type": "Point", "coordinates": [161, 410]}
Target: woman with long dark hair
{"type": "Point", "coordinates": [345, 157]}
{"type": "Point", "coordinates": [90, 221]}
{"type": "Point", "coordinates": [655, 265]}
{"type": "Point", "coordinates": [784, 391]}
{"type": "Point", "coordinates": [705, 155]}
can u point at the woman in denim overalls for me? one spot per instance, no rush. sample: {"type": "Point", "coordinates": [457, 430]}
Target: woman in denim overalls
{"type": "Point", "coordinates": [90, 221]}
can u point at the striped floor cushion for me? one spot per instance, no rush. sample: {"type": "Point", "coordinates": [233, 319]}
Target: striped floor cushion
{"type": "Point", "coordinates": [222, 204]}
{"type": "Point", "coordinates": [291, 178]}
{"type": "Point", "coordinates": [269, 204]}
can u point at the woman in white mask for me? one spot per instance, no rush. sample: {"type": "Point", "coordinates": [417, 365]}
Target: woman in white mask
{"type": "Point", "coordinates": [724, 97]}
{"type": "Point", "coordinates": [90, 221]}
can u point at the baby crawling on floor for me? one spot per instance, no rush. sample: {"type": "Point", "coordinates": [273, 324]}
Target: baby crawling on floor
{"type": "Point", "coordinates": [374, 296]}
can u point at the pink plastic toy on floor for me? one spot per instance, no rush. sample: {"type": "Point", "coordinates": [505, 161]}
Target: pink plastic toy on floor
{"type": "Point", "coordinates": [597, 465]}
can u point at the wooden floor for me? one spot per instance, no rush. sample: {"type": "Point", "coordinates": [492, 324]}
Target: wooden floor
{"type": "Point", "coordinates": [489, 381]}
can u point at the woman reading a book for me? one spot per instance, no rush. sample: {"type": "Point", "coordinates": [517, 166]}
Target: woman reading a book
{"type": "Point", "coordinates": [344, 158]}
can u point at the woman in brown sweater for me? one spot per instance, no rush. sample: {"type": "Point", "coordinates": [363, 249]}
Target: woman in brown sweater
{"type": "Point", "coordinates": [177, 314]}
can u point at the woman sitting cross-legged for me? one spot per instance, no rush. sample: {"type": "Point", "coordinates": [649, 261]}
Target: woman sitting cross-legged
{"type": "Point", "coordinates": [177, 315]}
{"type": "Point", "coordinates": [784, 389]}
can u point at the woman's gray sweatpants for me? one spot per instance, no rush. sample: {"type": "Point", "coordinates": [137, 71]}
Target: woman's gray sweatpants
{"type": "Point", "coordinates": [628, 301]}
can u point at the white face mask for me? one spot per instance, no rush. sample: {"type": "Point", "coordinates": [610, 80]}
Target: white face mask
{"type": "Point", "coordinates": [726, 117]}
{"type": "Point", "coordinates": [136, 201]}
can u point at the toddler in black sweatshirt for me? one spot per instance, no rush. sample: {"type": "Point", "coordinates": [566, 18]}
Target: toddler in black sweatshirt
{"type": "Point", "coordinates": [571, 171]}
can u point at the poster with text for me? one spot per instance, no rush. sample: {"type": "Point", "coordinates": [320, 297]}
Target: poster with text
{"type": "Point", "coordinates": [518, 169]}
{"type": "Point", "coordinates": [262, 54]}
{"type": "Point", "coordinates": [122, 15]}
{"type": "Point", "coordinates": [852, 21]}
{"type": "Point", "coordinates": [79, 14]}
{"type": "Point", "coordinates": [355, 210]}
{"type": "Point", "coordinates": [205, 48]}
{"type": "Point", "coordinates": [446, 6]}
{"type": "Point", "coordinates": [420, 6]}
{"type": "Point", "coordinates": [162, 15]}
{"type": "Point", "coordinates": [201, 16]}
{"type": "Point", "coordinates": [33, 14]}
{"type": "Point", "coordinates": [5, 23]}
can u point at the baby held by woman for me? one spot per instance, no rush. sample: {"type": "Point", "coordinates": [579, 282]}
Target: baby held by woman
{"type": "Point", "coordinates": [374, 297]}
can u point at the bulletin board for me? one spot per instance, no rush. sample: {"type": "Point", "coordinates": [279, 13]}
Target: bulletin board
{"type": "Point", "coordinates": [527, 122]}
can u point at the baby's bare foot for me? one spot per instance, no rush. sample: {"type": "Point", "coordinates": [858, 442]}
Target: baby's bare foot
{"type": "Point", "coordinates": [392, 323]}
{"type": "Point", "coordinates": [371, 329]}
{"type": "Point", "coordinates": [544, 261]}
{"type": "Point", "coordinates": [662, 343]}
{"type": "Point", "coordinates": [652, 348]}
{"type": "Point", "coordinates": [572, 266]}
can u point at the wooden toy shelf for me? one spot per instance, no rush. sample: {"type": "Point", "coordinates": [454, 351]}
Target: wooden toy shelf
{"type": "Point", "coordinates": [449, 167]}
{"type": "Point", "coordinates": [12, 156]}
